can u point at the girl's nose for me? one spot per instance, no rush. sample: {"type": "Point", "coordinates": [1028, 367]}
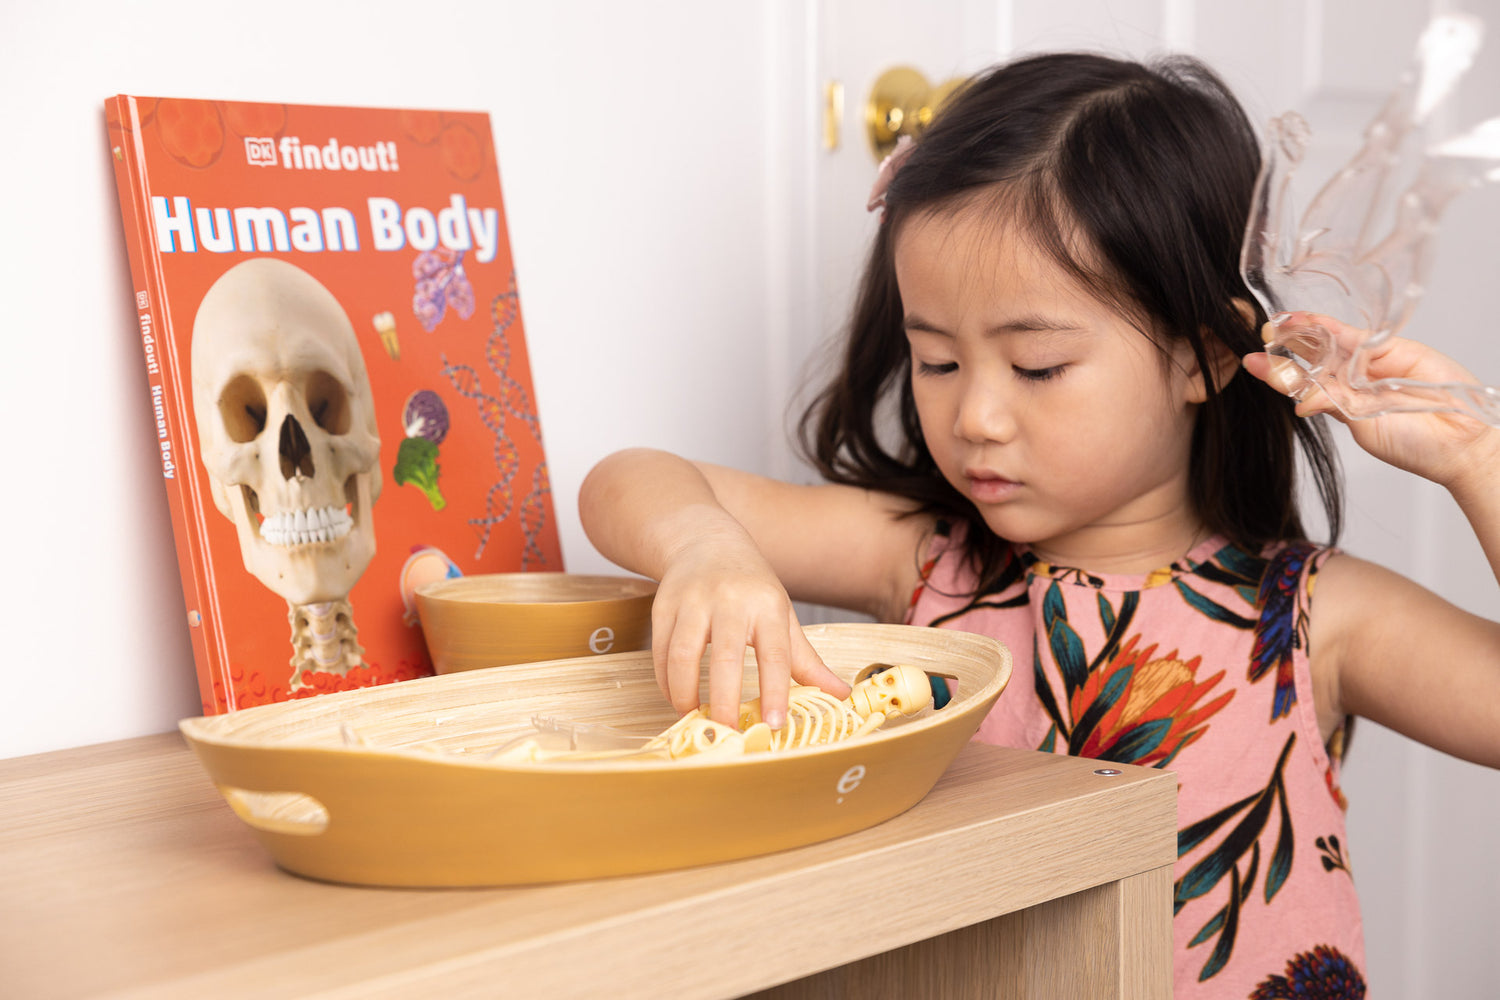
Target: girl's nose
{"type": "Point", "coordinates": [983, 416]}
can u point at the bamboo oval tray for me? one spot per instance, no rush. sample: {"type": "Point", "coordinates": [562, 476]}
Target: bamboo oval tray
{"type": "Point", "coordinates": [389, 786]}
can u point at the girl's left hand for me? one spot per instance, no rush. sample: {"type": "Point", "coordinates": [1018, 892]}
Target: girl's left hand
{"type": "Point", "coordinates": [1447, 448]}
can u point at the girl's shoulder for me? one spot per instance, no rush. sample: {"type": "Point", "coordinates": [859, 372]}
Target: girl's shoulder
{"type": "Point", "coordinates": [1387, 648]}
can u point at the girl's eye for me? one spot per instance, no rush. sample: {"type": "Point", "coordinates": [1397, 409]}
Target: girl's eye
{"type": "Point", "coordinates": [1038, 374]}
{"type": "Point", "coordinates": [927, 368]}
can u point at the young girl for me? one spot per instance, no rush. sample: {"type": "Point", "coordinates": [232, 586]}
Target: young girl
{"type": "Point", "coordinates": [1042, 432]}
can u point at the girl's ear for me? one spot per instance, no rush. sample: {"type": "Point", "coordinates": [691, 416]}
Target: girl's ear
{"type": "Point", "coordinates": [1223, 361]}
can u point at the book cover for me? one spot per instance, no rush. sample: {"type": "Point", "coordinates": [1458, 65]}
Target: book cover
{"type": "Point", "coordinates": [337, 370]}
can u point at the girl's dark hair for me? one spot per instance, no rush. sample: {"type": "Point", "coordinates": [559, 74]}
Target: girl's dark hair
{"type": "Point", "coordinates": [1154, 167]}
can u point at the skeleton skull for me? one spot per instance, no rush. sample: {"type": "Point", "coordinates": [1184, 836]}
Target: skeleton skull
{"type": "Point", "coordinates": [898, 689]}
{"type": "Point", "coordinates": [286, 425]}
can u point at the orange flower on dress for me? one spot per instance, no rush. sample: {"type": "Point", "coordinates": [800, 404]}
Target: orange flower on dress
{"type": "Point", "coordinates": [1152, 710]}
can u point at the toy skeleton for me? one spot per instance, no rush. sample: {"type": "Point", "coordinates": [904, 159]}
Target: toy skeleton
{"type": "Point", "coordinates": [814, 718]}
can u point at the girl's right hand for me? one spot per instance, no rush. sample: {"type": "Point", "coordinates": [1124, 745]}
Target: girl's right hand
{"type": "Point", "coordinates": [718, 592]}
{"type": "Point", "coordinates": [1446, 448]}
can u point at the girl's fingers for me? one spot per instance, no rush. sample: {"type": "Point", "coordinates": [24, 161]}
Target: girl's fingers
{"type": "Point", "coordinates": [1319, 340]}
{"type": "Point", "coordinates": [1278, 373]}
{"type": "Point", "coordinates": [808, 668]}
{"type": "Point", "coordinates": [1286, 378]}
{"type": "Point", "coordinates": [724, 617]}
{"type": "Point", "coordinates": [773, 659]}
{"type": "Point", "coordinates": [662, 622]}
{"type": "Point", "coordinates": [1317, 402]}
{"type": "Point", "coordinates": [726, 670]}
{"type": "Point", "coordinates": [684, 659]}
{"type": "Point", "coordinates": [1392, 357]}
{"type": "Point", "coordinates": [1345, 337]}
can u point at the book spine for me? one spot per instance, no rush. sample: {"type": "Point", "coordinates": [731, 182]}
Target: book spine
{"type": "Point", "coordinates": [169, 405]}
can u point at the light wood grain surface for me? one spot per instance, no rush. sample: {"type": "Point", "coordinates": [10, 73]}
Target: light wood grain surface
{"type": "Point", "coordinates": [125, 874]}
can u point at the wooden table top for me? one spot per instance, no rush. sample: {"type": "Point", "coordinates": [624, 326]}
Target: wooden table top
{"type": "Point", "coordinates": [126, 874]}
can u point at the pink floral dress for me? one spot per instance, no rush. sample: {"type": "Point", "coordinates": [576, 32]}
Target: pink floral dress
{"type": "Point", "coordinates": [1201, 668]}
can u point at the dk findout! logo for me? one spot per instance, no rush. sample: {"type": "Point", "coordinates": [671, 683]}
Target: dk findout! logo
{"type": "Point", "coordinates": [291, 154]}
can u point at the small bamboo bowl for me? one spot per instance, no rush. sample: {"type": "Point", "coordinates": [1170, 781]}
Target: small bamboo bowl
{"type": "Point", "coordinates": [498, 619]}
{"type": "Point", "coordinates": [390, 785]}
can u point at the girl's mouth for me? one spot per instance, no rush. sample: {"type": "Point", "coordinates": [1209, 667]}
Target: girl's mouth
{"type": "Point", "coordinates": [989, 488]}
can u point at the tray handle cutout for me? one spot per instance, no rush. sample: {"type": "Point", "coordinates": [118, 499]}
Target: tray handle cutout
{"type": "Point", "coordinates": [278, 812]}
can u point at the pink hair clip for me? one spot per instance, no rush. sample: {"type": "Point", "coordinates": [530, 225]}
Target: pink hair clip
{"type": "Point", "coordinates": [887, 173]}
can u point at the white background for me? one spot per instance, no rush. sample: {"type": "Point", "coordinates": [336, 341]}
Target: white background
{"type": "Point", "coordinates": [682, 246]}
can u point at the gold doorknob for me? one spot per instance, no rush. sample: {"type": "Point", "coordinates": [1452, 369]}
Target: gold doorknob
{"type": "Point", "coordinates": [902, 102]}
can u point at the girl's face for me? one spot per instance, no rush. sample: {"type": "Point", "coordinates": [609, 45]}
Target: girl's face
{"type": "Point", "coordinates": [1044, 406]}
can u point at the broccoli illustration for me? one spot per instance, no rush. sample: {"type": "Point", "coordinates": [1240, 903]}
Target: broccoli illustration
{"type": "Point", "coordinates": [416, 463]}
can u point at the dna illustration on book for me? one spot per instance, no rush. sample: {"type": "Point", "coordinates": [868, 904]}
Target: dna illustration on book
{"type": "Point", "coordinates": [513, 403]}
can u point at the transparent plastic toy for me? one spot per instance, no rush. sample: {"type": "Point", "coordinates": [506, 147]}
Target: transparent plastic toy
{"type": "Point", "coordinates": [1339, 260]}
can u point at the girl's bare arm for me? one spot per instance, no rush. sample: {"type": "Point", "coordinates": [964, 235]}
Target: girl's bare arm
{"type": "Point", "coordinates": [1381, 645]}
{"type": "Point", "coordinates": [1405, 657]}
{"type": "Point", "coordinates": [731, 550]}
{"type": "Point", "coordinates": [1390, 650]}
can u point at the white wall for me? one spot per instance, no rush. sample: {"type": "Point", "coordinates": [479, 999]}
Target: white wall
{"type": "Point", "coordinates": [633, 149]}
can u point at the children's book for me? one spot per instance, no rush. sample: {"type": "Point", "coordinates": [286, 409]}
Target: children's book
{"type": "Point", "coordinates": [338, 378]}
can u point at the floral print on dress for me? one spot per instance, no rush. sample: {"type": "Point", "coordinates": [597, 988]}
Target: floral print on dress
{"type": "Point", "coordinates": [1138, 708]}
{"type": "Point", "coordinates": [1240, 842]}
{"type": "Point", "coordinates": [1333, 853]}
{"type": "Point", "coordinates": [1325, 973]}
{"type": "Point", "coordinates": [1200, 667]}
{"type": "Point", "coordinates": [1282, 626]}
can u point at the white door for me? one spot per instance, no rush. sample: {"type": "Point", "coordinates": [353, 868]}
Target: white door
{"type": "Point", "coordinates": [1421, 824]}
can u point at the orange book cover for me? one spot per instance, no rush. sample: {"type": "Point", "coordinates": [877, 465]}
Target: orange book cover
{"type": "Point", "coordinates": [337, 374]}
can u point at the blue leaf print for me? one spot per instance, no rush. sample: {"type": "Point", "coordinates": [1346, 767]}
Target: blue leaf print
{"type": "Point", "coordinates": [1043, 687]}
{"type": "Point", "coordinates": [1281, 858]}
{"type": "Point", "coordinates": [1084, 727]}
{"type": "Point", "coordinates": [1276, 631]}
{"type": "Point", "coordinates": [1106, 614]}
{"type": "Point", "coordinates": [1212, 927]}
{"type": "Point", "coordinates": [1138, 741]}
{"type": "Point", "coordinates": [1225, 947]}
{"type": "Point", "coordinates": [1212, 609]}
{"type": "Point", "coordinates": [1067, 648]}
{"type": "Point", "coordinates": [1190, 837]}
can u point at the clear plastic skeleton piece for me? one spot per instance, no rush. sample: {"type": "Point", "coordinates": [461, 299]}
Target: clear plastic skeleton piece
{"type": "Point", "coordinates": [1337, 260]}
{"type": "Point", "coordinates": [814, 718]}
